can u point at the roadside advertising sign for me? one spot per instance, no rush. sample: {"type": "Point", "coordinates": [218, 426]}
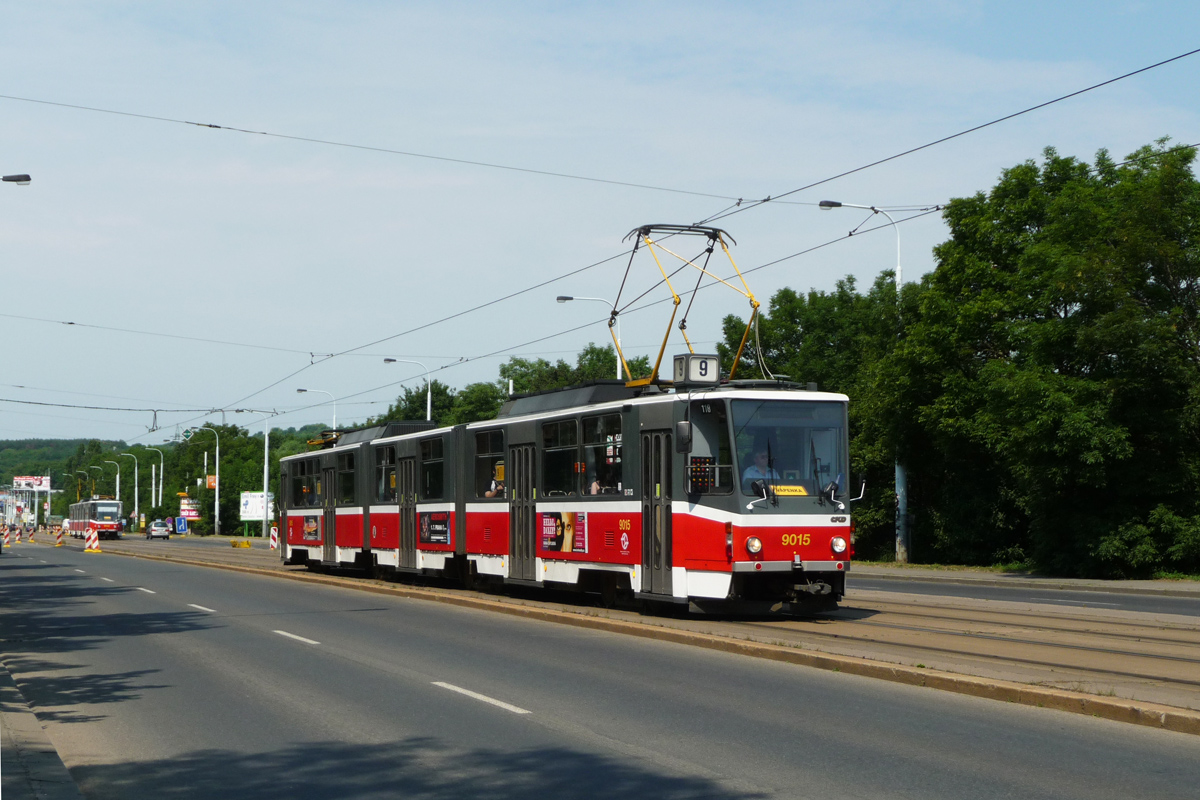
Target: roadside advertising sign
{"type": "Point", "coordinates": [252, 506]}
{"type": "Point", "coordinates": [189, 508]}
{"type": "Point", "coordinates": [37, 483]}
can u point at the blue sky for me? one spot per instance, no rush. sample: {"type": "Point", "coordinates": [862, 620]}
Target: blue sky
{"type": "Point", "coordinates": [162, 228]}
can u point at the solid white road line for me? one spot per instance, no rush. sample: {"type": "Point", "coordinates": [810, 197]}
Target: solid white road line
{"type": "Point", "coordinates": [483, 697]}
{"type": "Point", "coordinates": [202, 608]}
{"type": "Point", "coordinates": [297, 638]}
{"type": "Point", "coordinates": [147, 591]}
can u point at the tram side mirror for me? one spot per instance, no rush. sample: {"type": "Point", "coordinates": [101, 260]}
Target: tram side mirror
{"type": "Point", "coordinates": [759, 487]}
{"type": "Point", "coordinates": [683, 436]}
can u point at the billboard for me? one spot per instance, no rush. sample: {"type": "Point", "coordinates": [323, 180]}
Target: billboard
{"type": "Point", "coordinates": [252, 506]}
{"type": "Point", "coordinates": [189, 508]}
{"type": "Point", "coordinates": [37, 483]}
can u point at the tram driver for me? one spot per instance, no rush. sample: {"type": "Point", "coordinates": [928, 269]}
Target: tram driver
{"type": "Point", "coordinates": [759, 468]}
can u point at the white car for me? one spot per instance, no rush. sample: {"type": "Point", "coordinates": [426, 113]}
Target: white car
{"type": "Point", "coordinates": [158, 530]}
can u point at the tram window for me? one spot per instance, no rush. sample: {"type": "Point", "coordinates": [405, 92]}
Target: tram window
{"type": "Point", "coordinates": [489, 462]}
{"type": "Point", "coordinates": [345, 480]}
{"type": "Point", "coordinates": [306, 488]}
{"type": "Point", "coordinates": [432, 469]}
{"type": "Point", "coordinates": [798, 445]}
{"type": "Point", "coordinates": [560, 458]}
{"type": "Point", "coordinates": [710, 464]}
{"type": "Point", "coordinates": [385, 475]}
{"type": "Point", "coordinates": [602, 455]}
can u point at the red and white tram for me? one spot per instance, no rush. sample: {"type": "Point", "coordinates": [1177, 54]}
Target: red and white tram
{"type": "Point", "coordinates": [703, 491]}
{"type": "Point", "coordinates": [99, 515]}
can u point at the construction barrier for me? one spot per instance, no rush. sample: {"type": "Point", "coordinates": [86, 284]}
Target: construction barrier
{"type": "Point", "coordinates": [19, 532]}
{"type": "Point", "coordinates": [58, 537]}
{"type": "Point", "coordinates": [93, 542]}
{"type": "Point", "coordinates": [7, 543]}
{"type": "Point", "coordinates": [274, 538]}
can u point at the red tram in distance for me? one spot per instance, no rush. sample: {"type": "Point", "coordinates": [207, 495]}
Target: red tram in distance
{"type": "Point", "coordinates": [704, 491]}
{"type": "Point", "coordinates": [98, 514]}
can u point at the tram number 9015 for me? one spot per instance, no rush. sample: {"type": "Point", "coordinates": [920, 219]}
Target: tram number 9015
{"type": "Point", "coordinates": [797, 539]}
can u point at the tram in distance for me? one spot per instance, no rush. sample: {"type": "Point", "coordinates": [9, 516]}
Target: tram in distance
{"type": "Point", "coordinates": [705, 491]}
{"type": "Point", "coordinates": [98, 514]}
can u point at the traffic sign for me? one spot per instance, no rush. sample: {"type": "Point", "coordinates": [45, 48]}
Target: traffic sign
{"type": "Point", "coordinates": [187, 434]}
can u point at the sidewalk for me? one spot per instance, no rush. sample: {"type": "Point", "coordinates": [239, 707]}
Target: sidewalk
{"type": "Point", "coordinates": [30, 767]}
{"type": "Point", "coordinates": [1025, 580]}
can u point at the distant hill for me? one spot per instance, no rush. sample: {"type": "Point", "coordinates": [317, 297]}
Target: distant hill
{"type": "Point", "coordinates": [38, 456]}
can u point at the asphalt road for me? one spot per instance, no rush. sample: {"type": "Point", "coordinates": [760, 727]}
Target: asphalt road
{"type": "Point", "coordinates": [1050, 594]}
{"type": "Point", "coordinates": [163, 680]}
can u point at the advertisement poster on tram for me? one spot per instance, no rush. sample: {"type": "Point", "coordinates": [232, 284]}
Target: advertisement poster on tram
{"type": "Point", "coordinates": [435, 527]}
{"type": "Point", "coordinates": [312, 529]}
{"type": "Point", "coordinates": [564, 531]}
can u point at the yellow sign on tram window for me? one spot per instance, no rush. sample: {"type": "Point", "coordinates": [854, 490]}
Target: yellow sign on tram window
{"type": "Point", "coordinates": [791, 490]}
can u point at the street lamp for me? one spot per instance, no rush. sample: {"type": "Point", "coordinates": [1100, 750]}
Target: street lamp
{"type": "Point", "coordinates": [565, 298]}
{"type": "Point", "coordinates": [162, 472]}
{"type": "Point", "coordinates": [94, 479]}
{"type": "Point", "coordinates": [217, 497]}
{"type": "Point", "coordinates": [428, 385]}
{"type": "Point", "coordinates": [118, 466]}
{"type": "Point", "coordinates": [331, 397]}
{"type": "Point", "coordinates": [902, 532]}
{"type": "Point", "coordinates": [266, 462]}
{"type": "Point", "coordinates": [19, 180]}
{"type": "Point", "coordinates": [136, 517]}
{"type": "Point", "coordinates": [78, 486]}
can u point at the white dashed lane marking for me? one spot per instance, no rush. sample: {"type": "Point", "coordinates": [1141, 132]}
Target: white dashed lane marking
{"type": "Point", "coordinates": [297, 638]}
{"type": "Point", "coordinates": [482, 697]}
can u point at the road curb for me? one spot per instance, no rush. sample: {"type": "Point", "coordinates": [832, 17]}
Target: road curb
{"type": "Point", "coordinates": [1135, 712]}
{"type": "Point", "coordinates": [32, 767]}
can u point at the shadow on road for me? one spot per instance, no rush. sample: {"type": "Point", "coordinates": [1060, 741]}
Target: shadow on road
{"type": "Point", "coordinates": [422, 768]}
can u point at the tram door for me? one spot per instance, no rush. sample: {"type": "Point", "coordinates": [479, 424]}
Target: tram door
{"type": "Point", "coordinates": [329, 513]}
{"type": "Point", "coordinates": [656, 512]}
{"type": "Point", "coordinates": [522, 513]}
{"type": "Point", "coordinates": [406, 474]}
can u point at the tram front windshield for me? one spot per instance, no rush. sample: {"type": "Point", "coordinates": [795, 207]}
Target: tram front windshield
{"type": "Point", "coordinates": [797, 446]}
{"type": "Point", "coordinates": [107, 512]}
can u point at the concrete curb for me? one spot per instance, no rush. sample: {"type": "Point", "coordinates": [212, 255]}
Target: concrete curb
{"type": "Point", "coordinates": [1048, 584]}
{"type": "Point", "coordinates": [1153, 715]}
{"type": "Point", "coordinates": [32, 768]}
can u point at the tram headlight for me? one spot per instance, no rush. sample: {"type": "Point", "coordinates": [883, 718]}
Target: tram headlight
{"type": "Point", "coordinates": [754, 545]}
{"type": "Point", "coordinates": [838, 544]}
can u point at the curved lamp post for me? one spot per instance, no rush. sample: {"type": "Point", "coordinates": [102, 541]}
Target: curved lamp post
{"type": "Point", "coordinates": [566, 298]}
{"type": "Point", "coordinates": [94, 478]}
{"type": "Point", "coordinates": [162, 471]}
{"type": "Point", "coordinates": [217, 498]}
{"type": "Point", "coordinates": [428, 385]}
{"type": "Point", "coordinates": [136, 516]}
{"type": "Point", "coordinates": [902, 532]}
{"type": "Point", "coordinates": [331, 397]}
{"type": "Point", "coordinates": [118, 466]}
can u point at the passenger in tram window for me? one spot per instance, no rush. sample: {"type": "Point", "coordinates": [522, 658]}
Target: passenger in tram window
{"type": "Point", "coordinates": [603, 482]}
{"type": "Point", "coordinates": [496, 488]}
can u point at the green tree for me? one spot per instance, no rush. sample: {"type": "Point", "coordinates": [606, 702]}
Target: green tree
{"type": "Point", "coordinates": [1048, 383]}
